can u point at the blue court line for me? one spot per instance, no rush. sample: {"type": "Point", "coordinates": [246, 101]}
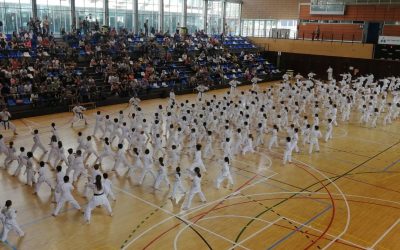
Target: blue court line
{"type": "Point", "coordinates": [298, 228]}
{"type": "Point", "coordinates": [391, 165]}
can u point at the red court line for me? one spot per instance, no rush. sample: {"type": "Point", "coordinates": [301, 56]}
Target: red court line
{"type": "Point", "coordinates": [333, 208]}
{"type": "Point", "coordinates": [202, 215]}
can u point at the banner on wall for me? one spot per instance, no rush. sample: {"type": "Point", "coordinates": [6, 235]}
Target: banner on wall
{"type": "Point", "coordinates": [392, 40]}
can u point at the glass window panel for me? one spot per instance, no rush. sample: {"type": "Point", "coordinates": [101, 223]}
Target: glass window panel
{"type": "Point", "coordinates": [15, 14]}
{"type": "Point", "coordinates": [232, 18]}
{"type": "Point", "coordinates": [173, 14]}
{"type": "Point", "coordinates": [149, 10]}
{"type": "Point", "coordinates": [91, 10]}
{"type": "Point", "coordinates": [214, 17]}
{"type": "Point", "coordinates": [56, 13]}
{"type": "Point", "coordinates": [121, 14]}
{"type": "Point", "coordinates": [195, 18]}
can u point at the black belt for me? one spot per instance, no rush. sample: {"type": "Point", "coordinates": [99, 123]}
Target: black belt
{"type": "Point", "coordinates": [80, 115]}
{"type": "Point", "coordinates": [98, 194]}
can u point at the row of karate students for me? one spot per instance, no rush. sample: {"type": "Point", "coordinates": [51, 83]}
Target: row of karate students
{"type": "Point", "coordinates": [289, 145]}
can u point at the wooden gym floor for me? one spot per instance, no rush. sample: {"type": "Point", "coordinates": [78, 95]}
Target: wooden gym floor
{"type": "Point", "coordinates": [345, 197]}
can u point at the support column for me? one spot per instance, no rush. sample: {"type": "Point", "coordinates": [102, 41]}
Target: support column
{"type": "Point", "coordinates": [73, 16]}
{"type": "Point", "coordinates": [135, 16]}
{"type": "Point", "coordinates": [34, 8]}
{"type": "Point", "coordinates": [161, 20]}
{"type": "Point", "coordinates": [205, 15]}
{"type": "Point", "coordinates": [184, 19]}
{"type": "Point", "coordinates": [223, 19]}
{"type": "Point", "coordinates": [106, 13]}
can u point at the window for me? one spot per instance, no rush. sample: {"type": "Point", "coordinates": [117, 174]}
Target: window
{"type": "Point", "coordinates": [195, 12]}
{"type": "Point", "coordinates": [91, 10]}
{"type": "Point", "coordinates": [121, 14]}
{"type": "Point", "coordinates": [232, 18]}
{"type": "Point", "coordinates": [57, 13]}
{"type": "Point", "coordinates": [149, 10]}
{"type": "Point", "coordinates": [247, 28]}
{"type": "Point", "coordinates": [173, 15]}
{"type": "Point", "coordinates": [259, 28]}
{"type": "Point", "coordinates": [214, 17]}
{"type": "Point", "coordinates": [15, 14]}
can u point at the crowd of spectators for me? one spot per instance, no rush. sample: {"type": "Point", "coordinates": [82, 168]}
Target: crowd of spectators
{"type": "Point", "coordinates": [88, 65]}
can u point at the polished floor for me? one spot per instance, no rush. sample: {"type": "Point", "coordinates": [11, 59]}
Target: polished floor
{"type": "Point", "coordinates": [347, 196]}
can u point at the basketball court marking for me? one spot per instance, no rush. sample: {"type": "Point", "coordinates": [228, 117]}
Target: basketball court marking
{"type": "Point", "coordinates": [195, 209]}
{"type": "Point", "coordinates": [384, 234]}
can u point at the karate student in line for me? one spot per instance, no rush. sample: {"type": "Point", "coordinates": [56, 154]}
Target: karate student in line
{"type": "Point", "coordinates": [287, 155]}
{"type": "Point", "coordinates": [78, 166]}
{"type": "Point", "coordinates": [53, 149]}
{"type": "Point", "coordinates": [30, 170]}
{"type": "Point", "coordinates": [81, 142]}
{"type": "Point", "coordinates": [8, 217]}
{"type": "Point", "coordinates": [295, 140]}
{"type": "Point", "coordinates": [90, 148]}
{"type": "Point", "coordinates": [107, 184]}
{"type": "Point", "coordinates": [137, 164]}
{"type": "Point", "coordinates": [195, 189]}
{"type": "Point", "coordinates": [107, 151]}
{"type": "Point", "coordinates": [42, 178]}
{"type": "Point", "coordinates": [60, 155]}
{"type": "Point", "coordinates": [120, 158]}
{"type": "Point", "coordinates": [66, 196]}
{"type": "Point", "coordinates": [3, 147]}
{"type": "Point", "coordinates": [70, 161]}
{"type": "Point", "coordinates": [99, 199]}
{"type": "Point", "coordinates": [198, 161]}
{"type": "Point", "coordinates": [224, 174]}
{"type": "Point", "coordinates": [22, 161]}
{"type": "Point", "coordinates": [10, 155]}
{"type": "Point", "coordinates": [273, 141]}
{"type": "Point", "coordinates": [174, 156]}
{"type": "Point", "coordinates": [78, 115]}
{"type": "Point", "coordinates": [37, 143]}
{"type": "Point", "coordinates": [59, 181]}
{"type": "Point", "coordinates": [162, 175]}
{"type": "Point", "coordinates": [375, 117]}
{"type": "Point", "coordinates": [147, 166]}
{"type": "Point", "coordinates": [248, 145]}
{"type": "Point", "coordinates": [314, 136]}
{"type": "Point", "coordinates": [306, 134]}
{"type": "Point", "coordinates": [98, 124]}
{"type": "Point", "coordinates": [177, 185]}
{"type": "Point", "coordinates": [54, 132]}
{"type": "Point", "coordinates": [329, 129]}
{"type": "Point", "coordinates": [208, 148]}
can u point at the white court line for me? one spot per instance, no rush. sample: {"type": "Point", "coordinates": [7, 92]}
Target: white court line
{"type": "Point", "coordinates": [195, 209]}
{"type": "Point", "coordinates": [384, 234]}
{"type": "Point", "coordinates": [342, 194]}
{"type": "Point", "coordinates": [320, 231]}
{"type": "Point", "coordinates": [189, 223]}
{"type": "Point", "coordinates": [255, 233]}
{"type": "Point", "coordinates": [222, 216]}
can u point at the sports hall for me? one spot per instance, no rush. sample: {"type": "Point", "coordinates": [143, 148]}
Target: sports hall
{"type": "Point", "coordinates": [200, 124]}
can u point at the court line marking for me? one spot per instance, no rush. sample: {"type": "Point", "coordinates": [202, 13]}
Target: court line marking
{"type": "Point", "coordinates": [189, 223]}
{"type": "Point", "coordinates": [275, 244]}
{"type": "Point", "coordinates": [342, 194]}
{"type": "Point", "coordinates": [255, 233]}
{"type": "Point", "coordinates": [391, 165]}
{"type": "Point", "coordinates": [192, 210]}
{"type": "Point", "coordinates": [384, 234]}
{"type": "Point", "coordinates": [331, 235]}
